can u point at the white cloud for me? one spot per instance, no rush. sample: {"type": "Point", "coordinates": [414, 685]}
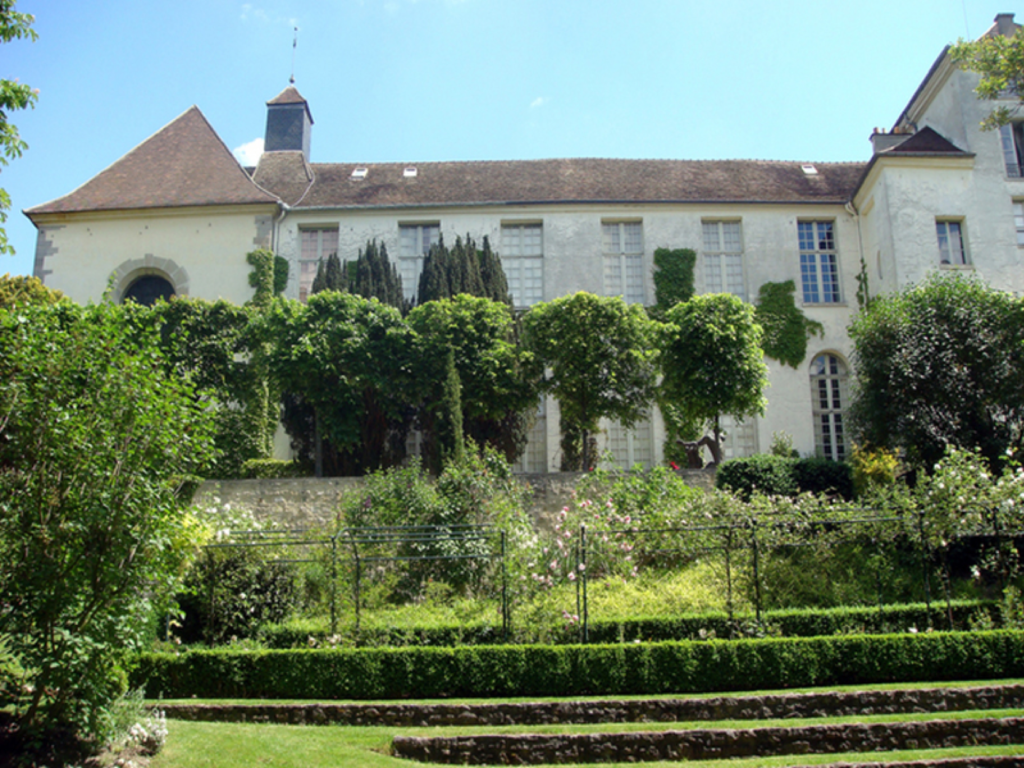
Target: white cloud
{"type": "Point", "coordinates": [249, 153]}
{"type": "Point", "coordinates": [539, 102]}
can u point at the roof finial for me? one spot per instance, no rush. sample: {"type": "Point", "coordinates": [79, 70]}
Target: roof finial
{"type": "Point", "coordinates": [295, 44]}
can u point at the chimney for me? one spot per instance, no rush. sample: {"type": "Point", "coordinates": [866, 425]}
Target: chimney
{"type": "Point", "coordinates": [289, 123]}
{"type": "Point", "coordinates": [1005, 25]}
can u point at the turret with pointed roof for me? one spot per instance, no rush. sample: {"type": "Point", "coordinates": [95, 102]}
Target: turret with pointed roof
{"type": "Point", "coordinates": [289, 123]}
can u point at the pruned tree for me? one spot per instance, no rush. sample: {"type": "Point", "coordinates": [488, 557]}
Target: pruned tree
{"type": "Point", "coordinates": [712, 364]}
{"type": "Point", "coordinates": [602, 363]}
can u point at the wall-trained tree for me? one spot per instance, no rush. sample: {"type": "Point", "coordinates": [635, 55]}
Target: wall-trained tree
{"type": "Point", "coordinates": [940, 364]}
{"type": "Point", "coordinates": [601, 358]}
{"type": "Point", "coordinates": [95, 439]}
{"type": "Point", "coordinates": [712, 364]}
{"type": "Point", "coordinates": [500, 379]}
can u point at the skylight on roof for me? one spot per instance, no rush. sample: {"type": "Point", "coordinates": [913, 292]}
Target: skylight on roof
{"type": "Point", "coordinates": [409, 172]}
{"type": "Point", "coordinates": [809, 169]}
{"type": "Point", "coordinates": [359, 173]}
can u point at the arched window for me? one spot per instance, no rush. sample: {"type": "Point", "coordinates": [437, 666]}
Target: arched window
{"type": "Point", "coordinates": [828, 396]}
{"type": "Point", "coordinates": [147, 289]}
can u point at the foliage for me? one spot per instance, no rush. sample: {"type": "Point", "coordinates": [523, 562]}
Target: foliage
{"type": "Point", "coordinates": [784, 476]}
{"type": "Point", "coordinates": [499, 379]}
{"type": "Point", "coordinates": [1000, 62]}
{"type": "Point", "coordinates": [217, 344]}
{"type": "Point", "coordinates": [257, 469]}
{"type": "Point", "coordinates": [92, 533]}
{"type": "Point", "coordinates": [940, 364]}
{"type": "Point", "coordinates": [13, 95]}
{"type": "Point", "coordinates": [26, 290]}
{"type": "Point", "coordinates": [447, 420]}
{"type": "Point", "coordinates": [673, 278]}
{"type": "Point", "coordinates": [280, 274]}
{"type": "Point", "coordinates": [873, 470]}
{"type": "Point", "coordinates": [572, 670]}
{"type": "Point", "coordinates": [375, 276]}
{"type": "Point", "coordinates": [230, 592]}
{"type": "Point", "coordinates": [782, 445]}
{"type": "Point", "coordinates": [328, 353]}
{"type": "Point", "coordinates": [262, 277]}
{"type": "Point", "coordinates": [462, 269]}
{"type": "Point", "coordinates": [786, 328]}
{"type": "Point", "coordinates": [712, 363]}
{"type": "Point", "coordinates": [602, 360]}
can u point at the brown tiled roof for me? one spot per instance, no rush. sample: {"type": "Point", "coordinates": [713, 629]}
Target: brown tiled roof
{"type": "Point", "coordinates": [289, 95]}
{"type": "Point", "coordinates": [185, 163]}
{"type": "Point", "coordinates": [286, 173]}
{"type": "Point", "coordinates": [556, 181]}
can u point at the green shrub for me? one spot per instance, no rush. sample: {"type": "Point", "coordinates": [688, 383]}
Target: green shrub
{"type": "Point", "coordinates": [575, 670]}
{"type": "Point", "coordinates": [784, 476]}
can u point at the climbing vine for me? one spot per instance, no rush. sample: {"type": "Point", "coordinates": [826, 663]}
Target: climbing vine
{"type": "Point", "coordinates": [673, 278]}
{"type": "Point", "coordinates": [786, 328]}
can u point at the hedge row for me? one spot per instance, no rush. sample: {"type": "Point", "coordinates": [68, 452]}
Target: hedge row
{"type": "Point", "coordinates": [783, 476]}
{"type": "Point", "coordinates": [808, 622]}
{"type": "Point", "coordinates": [577, 670]}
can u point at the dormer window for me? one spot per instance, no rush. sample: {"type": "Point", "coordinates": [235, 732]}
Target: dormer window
{"type": "Point", "coordinates": [809, 169]}
{"type": "Point", "coordinates": [409, 172]}
{"type": "Point", "coordinates": [359, 173]}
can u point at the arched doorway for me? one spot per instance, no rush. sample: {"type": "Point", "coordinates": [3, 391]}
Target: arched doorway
{"type": "Point", "coordinates": [147, 289]}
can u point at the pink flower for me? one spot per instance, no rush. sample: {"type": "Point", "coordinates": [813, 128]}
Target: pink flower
{"type": "Point", "coordinates": [673, 465]}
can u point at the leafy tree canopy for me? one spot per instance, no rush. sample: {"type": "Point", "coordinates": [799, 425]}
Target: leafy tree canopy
{"type": "Point", "coordinates": [95, 439]}
{"type": "Point", "coordinates": [713, 363]}
{"type": "Point", "coordinates": [13, 96]}
{"type": "Point", "coordinates": [940, 364]}
{"type": "Point", "coordinates": [26, 290]}
{"type": "Point", "coordinates": [602, 360]}
{"type": "Point", "coordinates": [1000, 62]}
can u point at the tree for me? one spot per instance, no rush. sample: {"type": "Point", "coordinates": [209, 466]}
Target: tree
{"type": "Point", "coordinates": [13, 95]}
{"type": "Point", "coordinates": [376, 277]}
{"type": "Point", "coordinates": [95, 440]}
{"type": "Point", "coordinates": [462, 269]}
{"type": "Point", "coordinates": [500, 382]}
{"type": "Point", "coordinates": [602, 360]}
{"type": "Point", "coordinates": [712, 364]}
{"type": "Point", "coordinates": [1000, 62]}
{"type": "Point", "coordinates": [940, 364]}
{"type": "Point", "coordinates": [348, 358]}
{"type": "Point", "coordinates": [673, 279]}
{"type": "Point", "coordinates": [26, 290]}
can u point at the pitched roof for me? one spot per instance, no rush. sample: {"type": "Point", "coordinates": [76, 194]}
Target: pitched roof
{"type": "Point", "coordinates": [184, 163]}
{"type": "Point", "coordinates": [587, 180]}
{"type": "Point", "coordinates": [290, 95]}
{"type": "Point", "coordinates": [926, 141]}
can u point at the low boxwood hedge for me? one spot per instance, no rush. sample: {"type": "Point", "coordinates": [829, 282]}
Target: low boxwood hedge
{"type": "Point", "coordinates": [784, 476]}
{"type": "Point", "coordinates": [578, 670]}
{"type": "Point", "coordinates": [807, 622]}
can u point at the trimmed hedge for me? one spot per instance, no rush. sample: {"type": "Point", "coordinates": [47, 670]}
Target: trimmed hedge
{"type": "Point", "coordinates": [578, 670]}
{"type": "Point", "coordinates": [783, 476]}
{"type": "Point", "coordinates": [807, 622]}
{"type": "Point", "coordinates": [272, 469]}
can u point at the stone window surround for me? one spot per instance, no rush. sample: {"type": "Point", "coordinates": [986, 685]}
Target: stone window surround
{"type": "Point", "coordinates": [130, 271]}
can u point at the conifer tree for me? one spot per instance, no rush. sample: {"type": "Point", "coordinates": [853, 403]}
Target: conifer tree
{"type": "Point", "coordinates": [320, 281]}
{"type": "Point", "coordinates": [448, 419]}
{"type": "Point", "coordinates": [434, 278]}
{"type": "Point", "coordinates": [335, 276]}
{"type": "Point", "coordinates": [493, 275]}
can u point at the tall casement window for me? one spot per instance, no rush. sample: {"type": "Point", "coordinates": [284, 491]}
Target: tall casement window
{"type": "Point", "coordinates": [535, 458]}
{"type": "Point", "coordinates": [1018, 221]}
{"type": "Point", "coordinates": [723, 258]}
{"type": "Point", "coordinates": [951, 243]}
{"type": "Point", "coordinates": [623, 244]}
{"type": "Point", "coordinates": [522, 258]}
{"type": "Point", "coordinates": [819, 266]}
{"type": "Point", "coordinates": [629, 447]}
{"type": "Point", "coordinates": [316, 244]}
{"type": "Point", "coordinates": [414, 240]}
{"type": "Point", "coordinates": [828, 395]}
{"type": "Point", "coordinates": [739, 438]}
{"type": "Point", "coordinates": [1012, 136]}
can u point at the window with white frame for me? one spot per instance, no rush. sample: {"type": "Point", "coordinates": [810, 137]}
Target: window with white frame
{"type": "Point", "coordinates": [819, 264]}
{"type": "Point", "coordinates": [828, 395]}
{"type": "Point", "coordinates": [630, 447]}
{"type": "Point", "coordinates": [1018, 221]}
{"type": "Point", "coordinates": [522, 258]}
{"type": "Point", "coordinates": [315, 245]}
{"type": "Point", "coordinates": [414, 241]}
{"type": "Point", "coordinates": [723, 258]}
{"type": "Point", "coordinates": [739, 437]}
{"type": "Point", "coordinates": [623, 245]}
{"type": "Point", "coordinates": [951, 243]}
{"type": "Point", "coordinates": [1012, 137]}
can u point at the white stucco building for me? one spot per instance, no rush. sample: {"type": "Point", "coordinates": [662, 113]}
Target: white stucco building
{"type": "Point", "coordinates": [177, 215]}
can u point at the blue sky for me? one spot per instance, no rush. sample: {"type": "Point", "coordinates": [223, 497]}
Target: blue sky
{"type": "Point", "coordinates": [426, 80]}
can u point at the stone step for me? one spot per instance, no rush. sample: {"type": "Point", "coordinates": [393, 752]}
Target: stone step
{"type": "Point", "coordinates": [707, 744]}
{"type": "Point", "coordinates": [772, 706]}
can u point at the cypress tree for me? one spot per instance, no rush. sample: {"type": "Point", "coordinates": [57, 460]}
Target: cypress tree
{"type": "Point", "coordinates": [320, 281]}
{"type": "Point", "coordinates": [434, 282]}
{"type": "Point", "coordinates": [335, 279]}
{"type": "Point", "coordinates": [493, 275]}
{"type": "Point", "coordinates": [448, 421]}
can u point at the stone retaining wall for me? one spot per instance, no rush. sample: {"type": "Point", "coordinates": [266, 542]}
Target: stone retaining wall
{"type": "Point", "coordinates": [309, 501]}
{"type": "Point", "coordinates": [825, 704]}
{"type": "Point", "coordinates": [534, 749]}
